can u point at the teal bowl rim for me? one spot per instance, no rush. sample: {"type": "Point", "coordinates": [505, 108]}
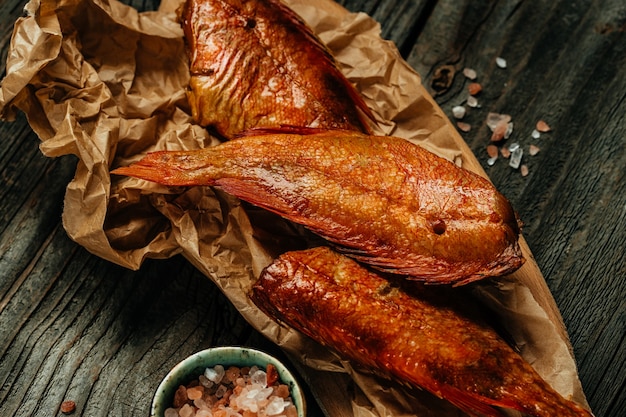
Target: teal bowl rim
{"type": "Point", "coordinates": [194, 365]}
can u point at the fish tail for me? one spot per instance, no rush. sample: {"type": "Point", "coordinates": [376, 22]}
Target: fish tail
{"type": "Point", "coordinates": [173, 168]}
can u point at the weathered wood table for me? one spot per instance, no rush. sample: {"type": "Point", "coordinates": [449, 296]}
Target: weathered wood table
{"type": "Point", "coordinates": [73, 326]}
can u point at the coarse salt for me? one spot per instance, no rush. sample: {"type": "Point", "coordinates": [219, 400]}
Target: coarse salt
{"type": "Point", "coordinates": [523, 170]}
{"type": "Point", "coordinates": [469, 73]}
{"type": "Point", "coordinates": [464, 127]}
{"type": "Point", "coordinates": [501, 62]}
{"type": "Point", "coordinates": [242, 392]}
{"type": "Point", "coordinates": [533, 150]}
{"type": "Point", "coordinates": [493, 119]}
{"type": "Point", "coordinates": [516, 157]}
{"type": "Point", "coordinates": [542, 126]}
{"type": "Point", "coordinates": [458, 112]}
{"type": "Point", "coordinates": [474, 88]}
{"type": "Point", "coordinates": [472, 101]}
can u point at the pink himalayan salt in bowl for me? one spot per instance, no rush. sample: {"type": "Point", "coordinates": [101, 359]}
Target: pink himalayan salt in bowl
{"type": "Point", "coordinates": [205, 364]}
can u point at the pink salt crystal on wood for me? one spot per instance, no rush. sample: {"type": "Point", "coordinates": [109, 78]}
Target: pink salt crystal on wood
{"type": "Point", "coordinates": [505, 152]}
{"type": "Point", "coordinates": [533, 150]}
{"type": "Point", "coordinates": [524, 170]}
{"type": "Point", "coordinates": [492, 151]}
{"type": "Point", "coordinates": [493, 119]}
{"type": "Point", "coordinates": [68, 407]}
{"type": "Point", "coordinates": [469, 73]}
{"type": "Point", "coordinates": [171, 412]}
{"type": "Point", "coordinates": [472, 101]}
{"type": "Point", "coordinates": [474, 88]}
{"type": "Point", "coordinates": [464, 127]}
{"type": "Point", "coordinates": [500, 131]}
{"type": "Point", "coordinates": [542, 126]}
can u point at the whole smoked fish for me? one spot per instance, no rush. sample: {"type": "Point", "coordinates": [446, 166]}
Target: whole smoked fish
{"type": "Point", "coordinates": [381, 200]}
{"type": "Point", "coordinates": [255, 63]}
{"type": "Point", "coordinates": [420, 335]}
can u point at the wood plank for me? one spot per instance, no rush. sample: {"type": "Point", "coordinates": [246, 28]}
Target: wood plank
{"type": "Point", "coordinates": [75, 327]}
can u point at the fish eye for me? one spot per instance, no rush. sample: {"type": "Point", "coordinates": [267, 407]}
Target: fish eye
{"type": "Point", "coordinates": [439, 227]}
{"type": "Point", "coordinates": [250, 24]}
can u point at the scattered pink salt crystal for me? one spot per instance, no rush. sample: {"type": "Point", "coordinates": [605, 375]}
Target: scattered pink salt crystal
{"type": "Point", "coordinates": [474, 88]}
{"type": "Point", "coordinates": [533, 150]}
{"type": "Point", "coordinates": [465, 127]}
{"type": "Point", "coordinates": [499, 132]}
{"type": "Point", "coordinates": [523, 170]}
{"type": "Point", "coordinates": [472, 101]}
{"type": "Point", "coordinates": [493, 119]}
{"type": "Point", "coordinates": [542, 126]}
{"type": "Point", "coordinates": [469, 73]}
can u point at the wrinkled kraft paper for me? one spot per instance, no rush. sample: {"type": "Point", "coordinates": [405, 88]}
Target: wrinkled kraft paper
{"type": "Point", "coordinates": [101, 81]}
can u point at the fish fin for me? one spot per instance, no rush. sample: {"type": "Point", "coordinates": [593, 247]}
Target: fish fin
{"type": "Point", "coordinates": [161, 167]}
{"type": "Point", "coordinates": [283, 129]}
{"type": "Point", "coordinates": [255, 195]}
{"type": "Point", "coordinates": [473, 405]}
{"type": "Point", "coordinates": [355, 96]}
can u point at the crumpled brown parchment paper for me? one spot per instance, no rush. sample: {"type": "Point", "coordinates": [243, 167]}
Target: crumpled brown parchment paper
{"type": "Point", "coordinates": [101, 81]}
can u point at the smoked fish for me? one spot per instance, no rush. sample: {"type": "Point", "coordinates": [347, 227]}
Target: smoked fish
{"type": "Point", "coordinates": [255, 63]}
{"type": "Point", "coordinates": [382, 200]}
{"type": "Point", "coordinates": [425, 336]}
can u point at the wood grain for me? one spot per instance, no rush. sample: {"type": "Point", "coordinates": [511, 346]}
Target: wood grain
{"type": "Point", "coordinates": [73, 326]}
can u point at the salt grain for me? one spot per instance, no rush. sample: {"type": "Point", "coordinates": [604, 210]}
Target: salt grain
{"type": "Point", "coordinates": [275, 406]}
{"type": "Point", "coordinates": [469, 73]}
{"type": "Point", "coordinates": [535, 134]}
{"type": "Point", "coordinates": [221, 390]}
{"type": "Point", "coordinates": [500, 131]}
{"type": "Point", "coordinates": [501, 62]}
{"type": "Point", "coordinates": [493, 119]}
{"type": "Point", "coordinates": [509, 130]}
{"type": "Point", "coordinates": [533, 150]}
{"type": "Point", "coordinates": [215, 374]}
{"type": "Point", "coordinates": [492, 161]}
{"type": "Point", "coordinates": [465, 127]}
{"type": "Point", "coordinates": [524, 170]}
{"type": "Point", "coordinates": [472, 101]}
{"type": "Point", "coordinates": [474, 88]}
{"type": "Point", "coordinates": [505, 152]}
{"type": "Point", "coordinates": [458, 112]}
{"type": "Point", "coordinates": [516, 157]}
{"type": "Point", "coordinates": [492, 151]}
{"type": "Point", "coordinates": [68, 407]}
{"type": "Point", "coordinates": [542, 126]}
{"type": "Point", "coordinates": [259, 377]}
{"type": "Point", "coordinates": [171, 412]}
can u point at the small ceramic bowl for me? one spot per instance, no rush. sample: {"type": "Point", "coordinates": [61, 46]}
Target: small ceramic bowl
{"type": "Point", "coordinates": [194, 365]}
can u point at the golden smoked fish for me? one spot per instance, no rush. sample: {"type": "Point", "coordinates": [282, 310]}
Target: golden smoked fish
{"type": "Point", "coordinates": [381, 200]}
{"type": "Point", "coordinates": [255, 63]}
{"type": "Point", "coordinates": [426, 336]}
